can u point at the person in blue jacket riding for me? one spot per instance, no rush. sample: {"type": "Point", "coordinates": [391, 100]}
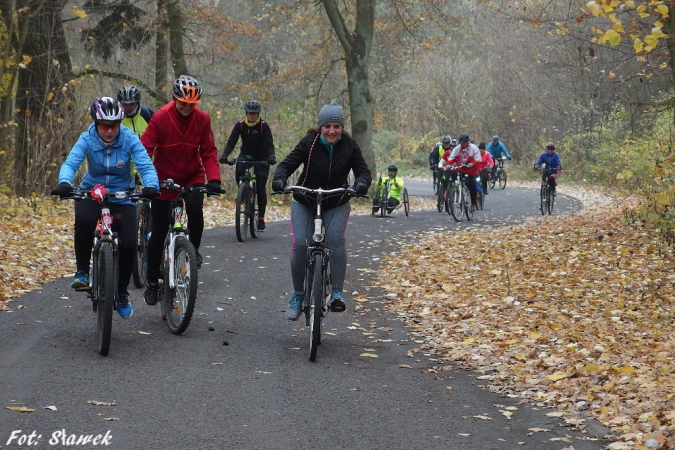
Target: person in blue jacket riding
{"type": "Point", "coordinates": [549, 163]}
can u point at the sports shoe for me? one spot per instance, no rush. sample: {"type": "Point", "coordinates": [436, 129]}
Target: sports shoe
{"type": "Point", "coordinates": [151, 294]}
{"type": "Point", "coordinates": [473, 208]}
{"type": "Point", "coordinates": [337, 303]}
{"type": "Point", "coordinates": [294, 306]}
{"type": "Point", "coordinates": [124, 308]}
{"type": "Point", "coordinates": [261, 224]}
{"type": "Point", "coordinates": [80, 280]}
{"type": "Point", "coordinates": [199, 260]}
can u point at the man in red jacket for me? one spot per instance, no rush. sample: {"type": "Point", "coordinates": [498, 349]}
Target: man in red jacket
{"type": "Point", "coordinates": [180, 141]}
{"type": "Point", "coordinates": [466, 157]}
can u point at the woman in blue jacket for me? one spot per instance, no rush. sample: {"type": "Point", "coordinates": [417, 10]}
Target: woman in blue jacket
{"type": "Point", "coordinates": [108, 149]}
{"type": "Point", "coordinates": [549, 161]}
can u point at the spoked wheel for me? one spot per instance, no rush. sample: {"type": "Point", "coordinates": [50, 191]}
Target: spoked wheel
{"type": "Point", "coordinates": [253, 215]}
{"type": "Point", "coordinates": [542, 196]}
{"type": "Point", "coordinates": [466, 202]}
{"type": "Point", "coordinates": [180, 300]}
{"type": "Point", "coordinates": [316, 307]}
{"type": "Point", "coordinates": [440, 200]}
{"type": "Point", "coordinates": [550, 199]}
{"type": "Point", "coordinates": [502, 179]}
{"type": "Point", "coordinates": [455, 203]}
{"type": "Point", "coordinates": [105, 295]}
{"type": "Point", "coordinates": [140, 272]}
{"type": "Point", "coordinates": [493, 180]}
{"type": "Point", "coordinates": [406, 202]}
{"type": "Point", "coordinates": [384, 202]}
{"type": "Point", "coordinates": [241, 214]}
{"type": "Point", "coordinates": [479, 200]}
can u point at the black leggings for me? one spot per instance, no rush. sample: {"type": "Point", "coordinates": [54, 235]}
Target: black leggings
{"type": "Point", "coordinates": [161, 216]}
{"type": "Point", "coordinates": [261, 174]}
{"type": "Point", "coordinates": [87, 213]}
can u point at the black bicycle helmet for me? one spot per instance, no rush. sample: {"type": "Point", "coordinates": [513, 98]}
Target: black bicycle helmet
{"type": "Point", "coordinates": [447, 139]}
{"type": "Point", "coordinates": [392, 168]}
{"type": "Point", "coordinates": [463, 138]}
{"type": "Point", "coordinates": [129, 94]}
{"type": "Point", "coordinates": [252, 106]}
{"type": "Point", "coordinates": [106, 108]}
{"type": "Point", "coordinates": [550, 146]}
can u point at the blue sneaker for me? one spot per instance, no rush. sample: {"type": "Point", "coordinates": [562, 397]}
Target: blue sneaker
{"type": "Point", "coordinates": [337, 303]}
{"type": "Point", "coordinates": [80, 280]}
{"type": "Point", "coordinates": [294, 306]}
{"type": "Point", "coordinates": [124, 308]}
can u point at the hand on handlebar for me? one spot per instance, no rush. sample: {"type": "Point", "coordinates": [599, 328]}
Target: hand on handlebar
{"type": "Point", "coordinates": [360, 188]}
{"type": "Point", "coordinates": [64, 190]}
{"type": "Point", "coordinates": [278, 185]}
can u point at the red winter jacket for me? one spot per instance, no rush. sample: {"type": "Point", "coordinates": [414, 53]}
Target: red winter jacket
{"type": "Point", "coordinates": [182, 148]}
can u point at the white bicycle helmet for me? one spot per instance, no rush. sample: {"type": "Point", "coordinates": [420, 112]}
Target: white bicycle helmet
{"type": "Point", "coordinates": [106, 108]}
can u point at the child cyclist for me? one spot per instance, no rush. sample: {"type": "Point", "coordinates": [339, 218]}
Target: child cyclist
{"type": "Point", "coordinates": [549, 162]}
{"type": "Point", "coordinates": [395, 189]}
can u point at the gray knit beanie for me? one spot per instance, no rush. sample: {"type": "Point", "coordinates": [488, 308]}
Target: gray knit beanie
{"type": "Point", "coordinates": [331, 113]}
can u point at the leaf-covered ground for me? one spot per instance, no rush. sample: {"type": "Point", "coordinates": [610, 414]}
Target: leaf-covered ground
{"type": "Point", "coordinates": [573, 312]}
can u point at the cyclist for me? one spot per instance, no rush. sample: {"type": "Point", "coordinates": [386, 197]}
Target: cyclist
{"type": "Point", "coordinates": [257, 142]}
{"type": "Point", "coordinates": [108, 150]}
{"type": "Point", "coordinates": [327, 154]}
{"type": "Point", "coordinates": [467, 154]}
{"type": "Point", "coordinates": [180, 141]}
{"type": "Point", "coordinates": [496, 149]}
{"type": "Point", "coordinates": [136, 116]}
{"type": "Point", "coordinates": [485, 167]}
{"type": "Point", "coordinates": [395, 189]}
{"type": "Point", "coordinates": [549, 161]}
{"type": "Point", "coordinates": [436, 155]}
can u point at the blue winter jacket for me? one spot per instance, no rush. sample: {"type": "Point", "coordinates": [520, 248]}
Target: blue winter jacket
{"type": "Point", "coordinates": [497, 150]}
{"type": "Point", "coordinates": [109, 164]}
{"type": "Point", "coordinates": [552, 162]}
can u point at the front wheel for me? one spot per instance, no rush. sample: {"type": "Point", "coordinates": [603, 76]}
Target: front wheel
{"type": "Point", "coordinates": [542, 195]}
{"type": "Point", "coordinates": [317, 295]}
{"type": "Point", "coordinates": [440, 200]}
{"type": "Point", "coordinates": [550, 198]}
{"type": "Point", "coordinates": [105, 296]}
{"type": "Point", "coordinates": [241, 214]}
{"type": "Point", "coordinates": [493, 179]}
{"type": "Point", "coordinates": [140, 271]}
{"type": "Point", "coordinates": [406, 202]}
{"type": "Point", "coordinates": [466, 202]}
{"type": "Point", "coordinates": [502, 179]}
{"type": "Point", "coordinates": [455, 203]}
{"type": "Point", "coordinates": [253, 214]}
{"type": "Point", "coordinates": [180, 300]}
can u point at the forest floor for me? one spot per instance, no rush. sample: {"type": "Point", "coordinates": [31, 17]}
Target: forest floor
{"type": "Point", "coordinates": [574, 311]}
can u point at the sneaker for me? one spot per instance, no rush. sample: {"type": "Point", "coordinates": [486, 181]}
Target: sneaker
{"type": "Point", "coordinates": [473, 208]}
{"type": "Point", "coordinates": [261, 224]}
{"type": "Point", "coordinates": [294, 306]}
{"type": "Point", "coordinates": [337, 304]}
{"type": "Point", "coordinates": [124, 308]}
{"type": "Point", "coordinates": [151, 294]}
{"type": "Point", "coordinates": [80, 280]}
{"type": "Point", "coordinates": [199, 260]}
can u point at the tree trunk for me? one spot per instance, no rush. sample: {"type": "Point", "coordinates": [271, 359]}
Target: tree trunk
{"type": "Point", "coordinates": [161, 47]}
{"type": "Point", "coordinates": [176, 38]}
{"type": "Point", "coordinates": [357, 46]}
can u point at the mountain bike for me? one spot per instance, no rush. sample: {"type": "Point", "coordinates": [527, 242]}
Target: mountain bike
{"type": "Point", "coordinates": [498, 173]}
{"type": "Point", "coordinates": [459, 201]}
{"type": "Point", "coordinates": [317, 268]}
{"type": "Point", "coordinates": [246, 206]}
{"type": "Point", "coordinates": [179, 272]}
{"type": "Point", "coordinates": [546, 192]}
{"type": "Point", "coordinates": [104, 271]}
{"type": "Point", "coordinates": [383, 200]}
{"type": "Point", "coordinates": [144, 218]}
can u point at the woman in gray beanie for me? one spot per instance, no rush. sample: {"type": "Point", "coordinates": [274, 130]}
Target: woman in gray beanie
{"type": "Point", "coordinates": [327, 154]}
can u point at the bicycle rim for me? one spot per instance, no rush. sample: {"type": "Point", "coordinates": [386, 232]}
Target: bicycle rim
{"type": "Point", "coordinates": [180, 301]}
{"type": "Point", "coordinates": [551, 199]}
{"type": "Point", "coordinates": [440, 201]}
{"type": "Point", "coordinates": [502, 179]}
{"type": "Point", "coordinates": [455, 201]}
{"type": "Point", "coordinates": [466, 202]}
{"type": "Point", "coordinates": [542, 197]}
{"type": "Point", "coordinates": [406, 202]}
{"type": "Point", "coordinates": [140, 272]}
{"type": "Point", "coordinates": [240, 214]}
{"type": "Point", "coordinates": [315, 306]}
{"type": "Point", "coordinates": [105, 295]}
{"type": "Point", "coordinates": [253, 214]}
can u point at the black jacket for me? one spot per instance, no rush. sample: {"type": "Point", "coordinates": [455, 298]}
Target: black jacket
{"type": "Point", "coordinates": [256, 141]}
{"type": "Point", "coordinates": [322, 170]}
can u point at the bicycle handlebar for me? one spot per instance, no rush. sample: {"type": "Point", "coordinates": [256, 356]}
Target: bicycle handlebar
{"type": "Point", "coordinates": [172, 185]}
{"type": "Point", "coordinates": [335, 191]}
{"type": "Point", "coordinates": [80, 194]}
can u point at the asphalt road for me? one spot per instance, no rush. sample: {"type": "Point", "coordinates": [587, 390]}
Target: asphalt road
{"type": "Point", "coordinates": [239, 378]}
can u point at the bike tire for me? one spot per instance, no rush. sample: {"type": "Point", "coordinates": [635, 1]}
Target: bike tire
{"type": "Point", "coordinates": [466, 203]}
{"type": "Point", "coordinates": [180, 301]}
{"type": "Point", "coordinates": [493, 180]}
{"type": "Point", "coordinates": [140, 271]}
{"type": "Point", "coordinates": [502, 179]}
{"type": "Point", "coordinates": [316, 305]}
{"type": "Point", "coordinates": [240, 213]}
{"type": "Point", "coordinates": [105, 295]}
{"type": "Point", "coordinates": [455, 203]}
{"type": "Point", "coordinates": [384, 200]}
{"type": "Point", "coordinates": [406, 202]}
{"type": "Point", "coordinates": [253, 214]}
{"type": "Point", "coordinates": [551, 199]}
{"type": "Point", "coordinates": [542, 196]}
{"type": "Point", "coordinates": [440, 201]}
{"type": "Point", "coordinates": [479, 201]}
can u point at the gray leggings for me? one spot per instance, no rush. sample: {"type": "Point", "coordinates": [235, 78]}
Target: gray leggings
{"type": "Point", "coordinates": [302, 224]}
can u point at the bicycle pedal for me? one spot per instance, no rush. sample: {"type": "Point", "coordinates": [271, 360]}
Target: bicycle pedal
{"type": "Point", "coordinates": [82, 289]}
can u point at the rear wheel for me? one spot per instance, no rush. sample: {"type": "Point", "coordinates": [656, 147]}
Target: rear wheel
{"type": "Point", "coordinates": [502, 179]}
{"type": "Point", "coordinates": [180, 300]}
{"type": "Point", "coordinates": [406, 202]}
{"type": "Point", "coordinates": [493, 178]}
{"type": "Point", "coordinates": [316, 306]}
{"type": "Point", "coordinates": [253, 213]}
{"type": "Point", "coordinates": [455, 199]}
{"type": "Point", "coordinates": [241, 214]}
{"type": "Point", "coordinates": [140, 272]}
{"type": "Point", "coordinates": [105, 294]}
{"type": "Point", "coordinates": [440, 199]}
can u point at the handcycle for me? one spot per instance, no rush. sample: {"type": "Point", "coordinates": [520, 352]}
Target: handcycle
{"type": "Point", "coordinates": [546, 192]}
{"type": "Point", "coordinates": [498, 173]}
{"type": "Point", "coordinates": [144, 220]}
{"type": "Point", "coordinates": [104, 271]}
{"type": "Point", "coordinates": [179, 271]}
{"type": "Point", "coordinates": [315, 305]}
{"type": "Point", "coordinates": [458, 200]}
{"type": "Point", "coordinates": [382, 201]}
{"type": "Point", "coordinates": [246, 206]}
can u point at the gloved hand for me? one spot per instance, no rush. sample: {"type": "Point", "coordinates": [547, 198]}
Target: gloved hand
{"type": "Point", "coordinates": [272, 159]}
{"type": "Point", "coordinates": [213, 186]}
{"type": "Point", "coordinates": [509, 158]}
{"type": "Point", "coordinates": [223, 159]}
{"type": "Point", "coordinates": [64, 190]}
{"type": "Point", "coordinates": [360, 188]}
{"type": "Point", "coordinates": [278, 185]}
{"type": "Point", "coordinates": [469, 165]}
{"type": "Point", "coordinates": [149, 192]}
{"type": "Point", "coordinates": [231, 162]}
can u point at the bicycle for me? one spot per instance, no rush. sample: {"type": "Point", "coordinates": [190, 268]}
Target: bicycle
{"type": "Point", "coordinates": [546, 192]}
{"type": "Point", "coordinates": [498, 173]}
{"type": "Point", "coordinates": [383, 203]}
{"type": "Point", "coordinates": [104, 271]}
{"type": "Point", "coordinates": [458, 203]}
{"type": "Point", "coordinates": [317, 268]}
{"type": "Point", "coordinates": [179, 272]}
{"type": "Point", "coordinates": [144, 218]}
{"type": "Point", "coordinates": [246, 207]}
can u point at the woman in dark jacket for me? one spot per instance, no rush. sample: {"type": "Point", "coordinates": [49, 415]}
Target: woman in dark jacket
{"type": "Point", "coordinates": [327, 154]}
